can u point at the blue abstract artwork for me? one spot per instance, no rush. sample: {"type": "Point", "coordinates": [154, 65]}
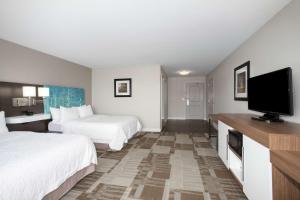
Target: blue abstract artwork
{"type": "Point", "coordinates": [63, 96]}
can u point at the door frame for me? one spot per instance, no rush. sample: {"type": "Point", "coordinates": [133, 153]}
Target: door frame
{"type": "Point", "coordinates": [204, 98]}
{"type": "Point", "coordinates": [212, 95]}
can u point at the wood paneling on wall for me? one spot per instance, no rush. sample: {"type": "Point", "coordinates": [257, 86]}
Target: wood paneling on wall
{"type": "Point", "coordinates": [8, 91]}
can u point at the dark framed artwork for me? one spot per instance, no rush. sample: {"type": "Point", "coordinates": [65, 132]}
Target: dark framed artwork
{"type": "Point", "coordinates": [241, 76]}
{"type": "Point", "coordinates": [122, 87]}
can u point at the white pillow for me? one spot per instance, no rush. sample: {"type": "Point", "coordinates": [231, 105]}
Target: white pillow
{"type": "Point", "coordinates": [68, 114]}
{"type": "Point", "coordinates": [3, 128]}
{"type": "Point", "coordinates": [55, 113]}
{"type": "Point", "coordinates": [85, 111]}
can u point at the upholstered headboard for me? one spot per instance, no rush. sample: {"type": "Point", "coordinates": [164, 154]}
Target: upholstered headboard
{"type": "Point", "coordinates": [64, 96]}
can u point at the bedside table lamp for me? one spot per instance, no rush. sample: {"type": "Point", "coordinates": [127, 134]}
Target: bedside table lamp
{"type": "Point", "coordinates": [29, 91]}
{"type": "Point", "coordinates": [43, 92]}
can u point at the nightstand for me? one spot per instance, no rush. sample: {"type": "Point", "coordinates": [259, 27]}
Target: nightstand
{"type": "Point", "coordinates": [36, 122]}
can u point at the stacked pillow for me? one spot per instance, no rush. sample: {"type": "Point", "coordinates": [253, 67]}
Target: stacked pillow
{"type": "Point", "coordinates": [85, 111]}
{"type": "Point", "coordinates": [55, 113]}
{"type": "Point", "coordinates": [68, 114]}
{"type": "Point", "coordinates": [63, 114]}
{"type": "Point", "coordinates": [3, 127]}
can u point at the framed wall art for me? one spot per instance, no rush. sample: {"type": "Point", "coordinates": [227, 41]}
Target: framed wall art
{"type": "Point", "coordinates": [241, 76]}
{"type": "Point", "coordinates": [122, 87]}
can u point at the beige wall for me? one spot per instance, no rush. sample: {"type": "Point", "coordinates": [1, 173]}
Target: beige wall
{"type": "Point", "coordinates": [275, 46]}
{"type": "Point", "coordinates": [177, 94]}
{"type": "Point", "coordinates": [146, 94]}
{"type": "Point", "coordinates": [24, 65]}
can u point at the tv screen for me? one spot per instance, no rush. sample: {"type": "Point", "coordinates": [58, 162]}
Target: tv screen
{"type": "Point", "coordinates": [272, 92]}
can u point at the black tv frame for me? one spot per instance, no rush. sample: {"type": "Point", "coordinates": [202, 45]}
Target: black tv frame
{"type": "Point", "coordinates": [275, 116]}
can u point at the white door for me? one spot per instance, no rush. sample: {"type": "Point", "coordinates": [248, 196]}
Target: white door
{"type": "Point", "coordinates": [210, 96]}
{"type": "Point", "coordinates": [257, 170]}
{"type": "Point", "coordinates": [223, 142]}
{"type": "Point", "coordinates": [194, 101]}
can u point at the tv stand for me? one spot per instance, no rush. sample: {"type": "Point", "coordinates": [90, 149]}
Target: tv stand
{"type": "Point", "coordinates": [282, 142]}
{"type": "Point", "coordinates": [271, 117]}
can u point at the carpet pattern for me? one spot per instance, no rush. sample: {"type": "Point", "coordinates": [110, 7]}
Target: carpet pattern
{"type": "Point", "coordinates": [175, 166]}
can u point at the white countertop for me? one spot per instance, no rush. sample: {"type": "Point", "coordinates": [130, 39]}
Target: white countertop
{"type": "Point", "coordinates": [26, 118]}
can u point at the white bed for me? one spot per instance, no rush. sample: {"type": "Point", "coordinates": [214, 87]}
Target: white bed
{"type": "Point", "coordinates": [105, 129]}
{"type": "Point", "coordinates": [33, 165]}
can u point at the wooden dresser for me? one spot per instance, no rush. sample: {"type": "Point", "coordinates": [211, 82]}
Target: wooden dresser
{"type": "Point", "coordinates": [282, 140]}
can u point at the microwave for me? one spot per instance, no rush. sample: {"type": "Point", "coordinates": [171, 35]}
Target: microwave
{"type": "Point", "coordinates": [235, 142]}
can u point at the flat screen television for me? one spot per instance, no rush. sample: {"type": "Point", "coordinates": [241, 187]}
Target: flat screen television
{"type": "Point", "coordinates": [272, 94]}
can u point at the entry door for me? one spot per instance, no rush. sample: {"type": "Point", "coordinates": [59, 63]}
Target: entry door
{"type": "Point", "coordinates": [194, 101]}
{"type": "Point", "coordinates": [210, 96]}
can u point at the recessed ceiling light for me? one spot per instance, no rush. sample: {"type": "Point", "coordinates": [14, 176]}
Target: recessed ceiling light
{"type": "Point", "coordinates": [183, 72]}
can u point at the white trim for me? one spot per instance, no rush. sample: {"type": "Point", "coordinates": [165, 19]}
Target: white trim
{"type": "Point", "coordinates": [212, 95]}
{"type": "Point", "coordinates": [178, 118]}
{"type": "Point", "coordinates": [182, 118]}
{"type": "Point", "coordinates": [195, 118]}
{"type": "Point", "coordinates": [151, 130]}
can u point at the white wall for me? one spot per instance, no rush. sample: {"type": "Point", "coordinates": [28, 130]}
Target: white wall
{"type": "Point", "coordinates": [177, 93]}
{"type": "Point", "coordinates": [146, 94]}
{"type": "Point", "coordinates": [275, 46]}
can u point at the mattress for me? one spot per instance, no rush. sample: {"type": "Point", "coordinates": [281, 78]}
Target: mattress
{"type": "Point", "coordinates": [109, 129]}
{"type": "Point", "coordinates": [55, 127]}
{"type": "Point", "coordinates": [33, 164]}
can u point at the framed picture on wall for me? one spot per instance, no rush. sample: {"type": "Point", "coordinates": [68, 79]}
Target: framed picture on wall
{"type": "Point", "coordinates": [122, 87]}
{"type": "Point", "coordinates": [241, 76]}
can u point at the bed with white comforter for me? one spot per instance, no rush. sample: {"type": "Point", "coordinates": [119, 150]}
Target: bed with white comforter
{"type": "Point", "coordinates": [35, 164]}
{"type": "Point", "coordinates": [105, 129]}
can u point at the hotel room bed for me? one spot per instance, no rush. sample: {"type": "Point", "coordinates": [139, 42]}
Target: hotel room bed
{"type": "Point", "coordinates": [43, 166]}
{"type": "Point", "coordinates": [105, 130]}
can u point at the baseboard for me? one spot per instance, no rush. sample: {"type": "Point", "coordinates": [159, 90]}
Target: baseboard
{"type": "Point", "coordinates": [177, 118]}
{"type": "Point", "coordinates": [182, 118]}
{"type": "Point", "coordinates": [151, 130]}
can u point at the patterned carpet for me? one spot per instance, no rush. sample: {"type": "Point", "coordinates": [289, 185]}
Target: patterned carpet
{"type": "Point", "coordinates": [175, 166]}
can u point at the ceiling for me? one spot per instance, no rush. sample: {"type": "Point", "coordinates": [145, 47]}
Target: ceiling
{"type": "Point", "coordinates": [193, 35]}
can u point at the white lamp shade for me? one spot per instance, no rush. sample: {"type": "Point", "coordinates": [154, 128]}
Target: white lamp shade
{"type": "Point", "coordinates": [29, 91]}
{"type": "Point", "coordinates": [43, 92]}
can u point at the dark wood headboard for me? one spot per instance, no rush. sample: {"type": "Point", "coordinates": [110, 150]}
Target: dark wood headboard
{"type": "Point", "coordinates": [8, 91]}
